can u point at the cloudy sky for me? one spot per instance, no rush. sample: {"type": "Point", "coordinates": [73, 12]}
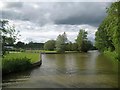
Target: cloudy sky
{"type": "Point", "coordinates": [41, 21]}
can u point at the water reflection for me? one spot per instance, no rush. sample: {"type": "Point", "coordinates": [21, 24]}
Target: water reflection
{"type": "Point", "coordinates": [68, 70]}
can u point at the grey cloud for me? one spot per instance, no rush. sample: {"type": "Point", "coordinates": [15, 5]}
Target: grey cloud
{"type": "Point", "coordinates": [7, 14]}
{"type": "Point", "coordinates": [57, 13]}
{"type": "Point", "coordinates": [91, 13]}
{"type": "Point", "coordinates": [94, 21]}
{"type": "Point", "coordinates": [14, 4]}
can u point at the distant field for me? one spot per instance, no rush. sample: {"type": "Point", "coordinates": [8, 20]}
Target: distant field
{"type": "Point", "coordinates": [33, 56]}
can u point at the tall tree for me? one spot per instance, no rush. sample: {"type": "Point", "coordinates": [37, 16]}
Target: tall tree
{"type": "Point", "coordinates": [82, 40]}
{"type": "Point", "coordinates": [108, 34]}
{"type": "Point", "coordinates": [60, 43]}
{"type": "Point", "coordinates": [20, 44]}
{"type": "Point", "coordinates": [8, 34]}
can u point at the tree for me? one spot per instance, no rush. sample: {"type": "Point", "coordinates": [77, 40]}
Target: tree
{"type": "Point", "coordinates": [8, 34]}
{"type": "Point", "coordinates": [60, 43]}
{"type": "Point", "coordinates": [68, 46]}
{"type": "Point", "coordinates": [34, 45]}
{"type": "Point", "coordinates": [20, 44]}
{"type": "Point", "coordinates": [90, 45]}
{"type": "Point", "coordinates": [49, 45]}
{"type": "Point", "coordinates": [74, 47]}
{"type": "Point", "coordinates": [108, 34]}
{"type": "Point", "coordinates": [82, 40]}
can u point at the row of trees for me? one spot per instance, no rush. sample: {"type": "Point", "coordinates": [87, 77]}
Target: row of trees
{"type": "Point", "coordinates": [30, 45]}
{"type": "Point", "coordinates": [108, 34]}
{"type": "Point", "coordinates": [62, 43]}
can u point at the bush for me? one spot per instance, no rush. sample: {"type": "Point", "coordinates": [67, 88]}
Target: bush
{"type": "Point", "coordinates": [22, 50]}
{"type": "Point", "coordinates": [15, 65]}
{"type": "Point", "coordinates": [49, 45]}
{"type": "Point", "coordinates": [60, 50]}
{"type": "Point", "coordinates": [111, 55]}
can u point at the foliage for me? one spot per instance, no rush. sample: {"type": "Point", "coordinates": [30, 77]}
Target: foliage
{"type": "Point", "coordinates": [15, 65]}
{"type": "Point", "coordinates": [49, 45]}
{"type": "Point", "coordinates": [82, 41]}
{"type": "Point", "coordinates": [71, 46]}
{"type": "Point", "coordinates": [60, 43]}
{"type": "Point", "coordinates": [20, 44]}
{"type": "Point", "coordinates": [9, 34]}
{"type": "Point", "coordinates": [68, 46]}
{"type": "Point", "coordinates": [34, 57]}
{"type": "Point", "coordinates": [74, 47]}
{"type": "Point", "coordinates": [30, 45]}
{"type": "Point", "coordinates": [108, 34]}
{"type": "Point", "coordinates": [113, 55]}
{"type": "Point", "coordinates": [33, 45]}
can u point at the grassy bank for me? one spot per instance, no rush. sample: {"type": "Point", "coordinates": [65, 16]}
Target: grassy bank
{"type": "Point", "coordinates": [34, 57]}
{"type": "Point", "coordinates": [19, 61]}
{"type": "Point", "coordinates": [39, 51]}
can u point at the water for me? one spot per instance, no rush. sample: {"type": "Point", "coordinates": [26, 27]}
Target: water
{"type": "Point", "coordinates": [75, 70]}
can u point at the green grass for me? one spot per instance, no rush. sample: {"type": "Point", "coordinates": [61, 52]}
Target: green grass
{"type": "Point", "coordinates": [19, 61]}
{"type": "Point", "coordinates": [47, 51]}
{"type": "Point", "coordinates": [34, 57]}
{"type": "Point", "coordinates": [38, 51]}
{"type": "Point", "coordinates": [15, 65]}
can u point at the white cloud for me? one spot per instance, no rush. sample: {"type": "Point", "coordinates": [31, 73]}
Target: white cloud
{"type": "Point", "coordinates": [59, 0]}
{"type": "Point", "coordinates": [40, 21]}
{"type": "Point", "coordinates": [32, 32]}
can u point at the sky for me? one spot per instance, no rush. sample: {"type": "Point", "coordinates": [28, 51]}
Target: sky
{"type": "Point", "coordinates": [42, 21]}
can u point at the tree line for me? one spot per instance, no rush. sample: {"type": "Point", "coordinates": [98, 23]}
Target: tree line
{"type": "Point", "coordinates": [62, 44]}
{"type": "Point", "coordinates": [30, 45]}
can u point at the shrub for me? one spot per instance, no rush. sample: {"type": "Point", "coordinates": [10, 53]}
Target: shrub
{"type": "Point", "coordinates": [111, 55]}
{"type": "Point", "coordinates": [15, 65]}
{"type": "Point", "coordinates": [49, 45]}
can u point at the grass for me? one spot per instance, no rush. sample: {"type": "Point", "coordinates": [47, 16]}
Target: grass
{"type": "Point", "coordinates": [47, 51]}
{"type": "Point", "coordinates": [19, 61]}
{"type": "Point", "coordinates": [38, 51]}
{"type": "Point", "coordinates": [15, 65]}
{"type": "Point", "coordinates": [34, 57]}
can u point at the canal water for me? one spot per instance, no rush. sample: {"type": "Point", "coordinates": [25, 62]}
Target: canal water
{"type": "Point", "coordinates": [73, 70]}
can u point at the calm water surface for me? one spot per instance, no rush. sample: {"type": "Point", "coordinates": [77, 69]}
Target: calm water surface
{"type": "Point", "coordinates": [81, 70]}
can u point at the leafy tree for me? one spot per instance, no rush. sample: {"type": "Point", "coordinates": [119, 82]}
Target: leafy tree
{"type": "Point", "coordinates": [34, 45]}
{"type": "Point", "coordinates": [68, 46]}
{"type": "Point", "coordinates": [74, 47]}
{"type": "Point", "coordinates": [108, 34]}
{"type": "Point", "coordinates": [82, 40]}
{"type": "Point", "coordinates": [90, 45]}
{"type": "Point", "coordinates": [8, 34]}
{"type": "Point", "coordinates": [71, 46]}
{"type": "Point", "coordinates": [61, 42]}
{"type": "Point", "coordinates": [49, 45]}
{"type": "Point", "coordinates": [20, 44]}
